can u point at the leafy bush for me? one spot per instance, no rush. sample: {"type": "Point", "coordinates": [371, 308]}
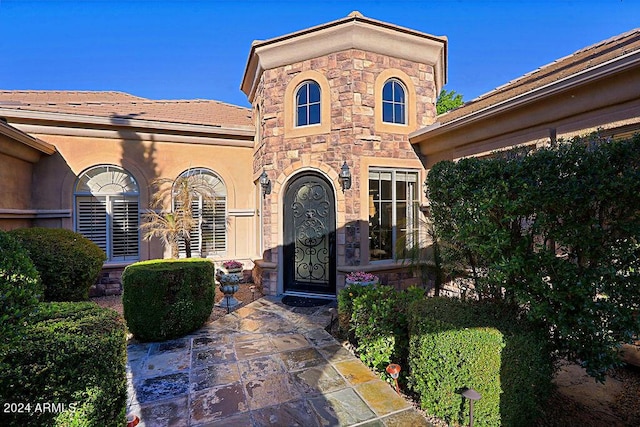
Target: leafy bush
{"type": "Point", "coordinates": [380, 325]}
{"type": "Point", "coordinates": [556, 230]}
{"type": "Point", "coordinates": [345, 308]}
{"type": "Point", "coordinates": [165, 299]}
{"type": "Point", "coordinates": [68, 262]}
{"type": "Point", "coordinates": [72, 356]}
{"type": "Point", "coordinates": [479, 345]}
{"type": "Point", "coordinates": [20, 290]}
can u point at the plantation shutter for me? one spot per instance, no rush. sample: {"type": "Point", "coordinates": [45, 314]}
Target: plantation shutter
{"type": "Point", "coordinates": [91, 219]}
{"type": "Point", "coordinates": [124, 226]}
{"type": "Point", "coordinates": [219, 225]}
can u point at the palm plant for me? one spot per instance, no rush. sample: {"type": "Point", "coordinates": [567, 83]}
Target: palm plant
{"type": "Point", "coordinates": [176, 224]}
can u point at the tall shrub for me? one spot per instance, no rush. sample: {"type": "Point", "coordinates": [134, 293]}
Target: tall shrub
{"type": "Point", "coordinates": [556, 230]}
{"type": "Point", "coordinates": [68, 262]}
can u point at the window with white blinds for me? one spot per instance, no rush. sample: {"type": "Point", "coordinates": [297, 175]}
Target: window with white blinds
{"type": "Point", "coordinates": [107, 211]}
{"type": "Point", "coordinates": [209, 234]}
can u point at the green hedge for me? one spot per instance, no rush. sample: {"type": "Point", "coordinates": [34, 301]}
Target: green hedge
{"type": "Point", "coordinates": [166, 299]}
{"type": "Point", "coordinates": [73, 356]}
{"type": "Point", "coordinates": [20, 290]}
{"type": "Point", "coordinates": [556, 230]}
{"type": "Point", "coordinates": [68, 262]}
{"type": "Point", "coordinates": [380, 325]}
{"type": "Point", "coordinates": [480, 345]}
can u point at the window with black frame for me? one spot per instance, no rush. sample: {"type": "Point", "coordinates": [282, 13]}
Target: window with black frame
{"type": "Point", "coordinates": [393, 211]}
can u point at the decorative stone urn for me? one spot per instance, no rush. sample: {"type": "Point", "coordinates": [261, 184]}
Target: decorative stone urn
{"type": "Point", "coordinates": [229, 285]}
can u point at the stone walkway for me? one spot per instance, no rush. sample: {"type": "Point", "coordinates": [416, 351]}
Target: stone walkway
{"type": "Point", "coordinates": [265, 364]}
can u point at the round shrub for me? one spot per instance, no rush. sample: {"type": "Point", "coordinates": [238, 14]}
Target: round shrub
{"type": "Point", "coordinates": [20, 287]}
{"type": "Point", "coordinates": [68, 262]}
{"type": "Point", "coordinates": [164, 299]}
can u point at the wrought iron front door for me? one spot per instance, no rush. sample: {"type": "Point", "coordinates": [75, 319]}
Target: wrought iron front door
{"type": "Point", "coordinates": [309, 236]}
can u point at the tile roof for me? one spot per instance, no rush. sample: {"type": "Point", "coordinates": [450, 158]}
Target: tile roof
{"type": "Point", "coordinates": [125, 106]}
{"type": "Point", "coordinates": [579, 61]}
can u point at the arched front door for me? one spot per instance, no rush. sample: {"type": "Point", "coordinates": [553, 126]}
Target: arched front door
{"type": "Point", "coordinates": [309, 236]}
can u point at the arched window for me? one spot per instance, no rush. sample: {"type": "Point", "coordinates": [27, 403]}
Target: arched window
{"type": "Point", "coordinates": [394, 102]}
{"type": "Point", "coordinates": [308, 104]}
{"type": "Point", "coordinates": [209, 235]}
{"type": "Point", "coordinates": [106, 211]}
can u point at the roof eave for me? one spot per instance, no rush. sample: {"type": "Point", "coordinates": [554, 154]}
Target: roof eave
{"type": "Point", "coordinates": [26, 139]}
{"type": "Point", "coordinates": [619, 64]}
{"type": "Point", "coordinates": [149, 125]}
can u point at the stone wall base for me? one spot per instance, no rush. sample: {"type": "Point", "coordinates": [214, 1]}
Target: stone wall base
{"type": "Point", "coordinates": [109, 282]}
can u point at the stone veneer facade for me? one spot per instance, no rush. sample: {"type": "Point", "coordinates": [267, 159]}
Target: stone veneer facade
{"type": "Point", "coordinates": [354, 135]}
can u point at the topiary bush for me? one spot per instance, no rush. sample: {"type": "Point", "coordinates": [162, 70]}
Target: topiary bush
{"type": "Point", "coordinates": [72, 358]}
{"type": "Point", "coordinates": [68, 262]}
{"type": "Point", "coordinates": [481, 345]}
{"type": "Point", "coordinates": [20, 290]}
{"type": "Point", "coordinates": [164, 299]}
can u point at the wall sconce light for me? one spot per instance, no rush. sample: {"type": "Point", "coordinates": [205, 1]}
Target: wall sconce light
{"type": "Point", "coordinates": [472, 395]}
{"type": "Point", "coordinates": [394, 370]}
{"type": "Point", "coordinates": [426, 187]}
{"type": "Point", "coordinates": [265, 183]}
{"type": "Point", "coordinates": [345, 177]}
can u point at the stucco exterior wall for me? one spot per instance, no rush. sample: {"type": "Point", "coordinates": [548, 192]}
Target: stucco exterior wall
{"type": "Point", "coordinates": [354, 134]}
{"type": "Point", "coordinates": [15, 176]}
{"type": "Point", "coordinates": [54, 179]}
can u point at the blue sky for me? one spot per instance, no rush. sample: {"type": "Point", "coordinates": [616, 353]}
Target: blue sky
{"type": "Point", "coordinates": [198, 49]}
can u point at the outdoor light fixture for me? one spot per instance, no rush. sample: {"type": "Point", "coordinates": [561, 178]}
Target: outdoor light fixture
{"type": "Point", "coordinates": [252, 288]}
{"type": "Point", "coordinates": [345, 177]}
{"type": "Point", "coordinates": [265, 183]}
{"type": "Point", "coordinates": [394, 370]}
{"type": "Point", "coordinates": [472, 395]}
{"type": "Point", "coordinates": [426, 187]}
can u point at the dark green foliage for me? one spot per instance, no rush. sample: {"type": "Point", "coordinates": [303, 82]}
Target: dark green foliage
{"type": "Point", "coordinates": [165, 299]}
{"type": "Point", "coordinates": [72, 354]}
{"type": "Point", "coordinates": [556, 230]}
{"type": "Point", "coordinates": [20, 290]}
{"type": "Point", "coordinates": [480, 345]}
{"type": "Point", "coordinates": [345, 307]}
{"type": "Point", "coordinates": [68, 262]}
{"type": "Point", "coordinates": [379, 322]}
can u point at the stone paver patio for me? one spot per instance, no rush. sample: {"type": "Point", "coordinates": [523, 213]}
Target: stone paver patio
{"type": "Point", "coordinates": [265, 364]}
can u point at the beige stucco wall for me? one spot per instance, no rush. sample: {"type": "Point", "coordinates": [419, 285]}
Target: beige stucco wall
{"type": "Point", "coordinates": [15, 187]}
{"type": "Point", "coordinates": [55, 177]}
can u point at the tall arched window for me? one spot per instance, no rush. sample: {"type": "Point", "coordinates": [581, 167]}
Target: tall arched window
{"type": "Point", "coordinates": [209, 235]}
{"type": "Point", "coordinates": [394, 102]}
{"type": "Point", "coordinates": [106, 211]}
{"type": "Point", "coordinates": [308, 104]}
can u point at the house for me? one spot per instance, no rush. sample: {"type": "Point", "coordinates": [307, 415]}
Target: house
{"type": "Point", "coordinates": [322, 176]}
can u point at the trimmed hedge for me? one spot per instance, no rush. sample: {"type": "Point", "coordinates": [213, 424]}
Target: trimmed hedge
{"type": "Point", "coordinates": [20, 290]}
{"type": "Point", "coordinates": [164, 299]}
{"type": "Point", "coordinates": [68, 262]}
{"type": "Point", "coordinates": [72, 357]}
{"type": "Point", "coordinates": [481, 345]}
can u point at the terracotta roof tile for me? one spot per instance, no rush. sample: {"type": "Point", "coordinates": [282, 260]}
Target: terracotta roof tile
{"type": "Point", "coordinates": [125, 106]}
{"type": "Point", "coordinates": [581, 60]}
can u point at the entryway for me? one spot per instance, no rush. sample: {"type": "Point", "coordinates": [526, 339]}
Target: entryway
{"type": "Point", "coordinates": [309, 236]}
